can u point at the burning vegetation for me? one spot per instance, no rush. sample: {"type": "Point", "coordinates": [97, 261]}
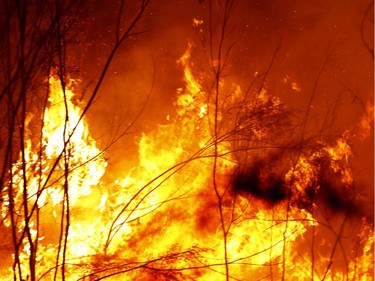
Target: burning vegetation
{"type": "Point", "coordinates": [234, 184]}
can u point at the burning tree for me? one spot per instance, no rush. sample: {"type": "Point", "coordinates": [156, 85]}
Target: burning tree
{"type": "Point", "coordinates": [231, 186]}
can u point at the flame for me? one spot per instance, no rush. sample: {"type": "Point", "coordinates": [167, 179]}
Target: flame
{"type": "Point", "coordinates": [163, 219]}
{"type": "Point", "coordinates": [366, 124]}
{"type": "Point", "coordinates": [63, 133]}
{"type": "Point", "coordinates": [339, 155]}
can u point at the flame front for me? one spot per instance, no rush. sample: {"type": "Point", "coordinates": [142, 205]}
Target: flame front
{"type": "Point", "coordinates": [163, 220]}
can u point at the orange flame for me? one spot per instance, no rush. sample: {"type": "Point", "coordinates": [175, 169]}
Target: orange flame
{"type": "Point", "coordinates": [161, 220]}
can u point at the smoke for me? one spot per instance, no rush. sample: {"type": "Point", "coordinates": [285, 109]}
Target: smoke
{"type": "Point", "coordinates": [256, 182]}
{"type": "Point", "coordinates": [260, 182]}
{"type": "Point", "coordinates": [313, 56]}
{"type": "Point", "coordinates": [318, 65]}
{"type": "Point", "coordinates": [310, 55]}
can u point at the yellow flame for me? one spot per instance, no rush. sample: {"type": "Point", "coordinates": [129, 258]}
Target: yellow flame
{"type": "Point", "coordinates": [164, 216]}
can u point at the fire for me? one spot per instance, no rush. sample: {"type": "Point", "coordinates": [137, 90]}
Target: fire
{"type": "Point", "coordinates": [64, 137]}
{"type": "Point", "coordinates": [163, 219]}
{"type": "Point", "coordinates": [367, 121]}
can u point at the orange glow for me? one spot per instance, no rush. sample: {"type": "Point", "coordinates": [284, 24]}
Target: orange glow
{"type": "Point", "coordinates": [160, 220]}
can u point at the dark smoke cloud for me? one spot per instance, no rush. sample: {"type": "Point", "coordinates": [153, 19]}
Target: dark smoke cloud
{"type": "Point", "coordinates": [269, 188]}
{"type": "Point", "coordinates": [328, 193]}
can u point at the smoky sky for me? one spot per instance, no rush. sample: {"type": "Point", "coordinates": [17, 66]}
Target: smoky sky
{"type": "Point", "coordinates": [317, 55]}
